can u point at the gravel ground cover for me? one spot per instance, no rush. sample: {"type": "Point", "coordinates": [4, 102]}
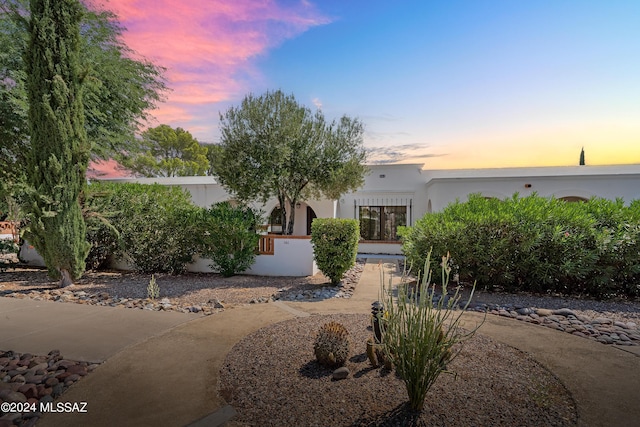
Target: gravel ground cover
{"type": "Point", "coordinates": [272, 378]}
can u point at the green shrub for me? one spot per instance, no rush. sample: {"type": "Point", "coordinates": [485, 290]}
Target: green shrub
{"type": "Point", "coordinates": [102, 235]}
{"type": "Point", "coordinates": [8, 253]}
{"type": "Point", "coordinates": [335, 245]}
{"type": "Point", "coordinates": [419, 330]}
{"type": "Point", "coordinates": [535, 244]}
{"type": "Point", "coordinates": [156, 224]}
{"type": "Point", "coordinates": [228, 237]}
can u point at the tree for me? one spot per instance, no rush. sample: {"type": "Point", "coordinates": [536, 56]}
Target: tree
{"type": "Point", "coordinates": [59, 154]}
{"type": "Point", "coordinates": [118, 91]}
{"type": "Point", "coordinates": [271, 146]}
{"type": "Point", "coordinates": [582, 157]}
{"type": "Point", "coordinates": [168, 152]}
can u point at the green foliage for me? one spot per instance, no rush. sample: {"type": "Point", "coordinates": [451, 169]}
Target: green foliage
{"type": "Point", "coordinates": [271, 146]}
{"type": "Point", "coordinates": [155, 226]}
{"type": "Point", "coordinates": [99, 215]}
{"type": "Point", "coordinates": [229, 237]}
{"type": "Point", "coordinates": [59, 150]}
{"type": "Point", "coordinates": [153, 290]}
{"type": "Point", "coordinates": [168, 152]}
{"type": "Point", "coordinates": [8, 253]}
{"type": "Point", "coordinates": [535, 244]}
{"type": "Point", "coordinates": [335, 245]}
{"type": "Point", "coordinates": [332, 345]}
{"type": "Point", "coordinates": [9, 247]}
{"type": "Point", "coordinates": [118, 90]}
{"type": "Point", "coordinates": [419, 330]}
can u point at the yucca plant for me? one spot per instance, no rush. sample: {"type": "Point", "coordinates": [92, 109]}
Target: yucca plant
{"type": "Point", "coordinates": [420, 329]}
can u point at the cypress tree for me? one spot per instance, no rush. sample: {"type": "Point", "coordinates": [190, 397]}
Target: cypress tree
{"type": "Point", "coordinates": [59, 154]}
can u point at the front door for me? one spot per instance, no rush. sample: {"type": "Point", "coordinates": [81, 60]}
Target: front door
{"type": "Point", "coordinates": [311, 215]}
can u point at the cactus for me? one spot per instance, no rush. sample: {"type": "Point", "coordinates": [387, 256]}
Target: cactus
{"type": "Point", "coordinates": [332, 345]}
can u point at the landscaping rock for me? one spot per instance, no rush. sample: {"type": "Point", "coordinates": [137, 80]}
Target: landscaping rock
{"type": "Point", "coordinates": [341, 373]}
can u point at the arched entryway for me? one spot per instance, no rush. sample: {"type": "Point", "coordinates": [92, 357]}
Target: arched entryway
{"type": "Point", "coordinates": [311, 215]}
{"type": "Point", "coordinates": [304, 216]}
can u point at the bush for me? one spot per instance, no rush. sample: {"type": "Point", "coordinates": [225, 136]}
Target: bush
{"type": "Point", "coordinates": [229, 237]}
{"type": "Point", "coordinates": [102, 235]}
{"type": "Point", "coordinates": [157, 225]}
{"type": "Point", "coordinates": [535, 244]}
{"type": "Point", "coordinates": [419, 330]}
{"type": "Point", "coordinates": [335, 245]}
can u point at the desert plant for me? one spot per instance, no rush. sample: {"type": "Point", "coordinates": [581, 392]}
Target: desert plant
{"type": "Point", "coordinates": [335, 245]}
{"type": "Point", "coordinates": [419, 330]}
{"type": "Point", "coordinates": [153, 290]}
{"type": "Point", "coordinates": [229, 237]}
{"type": "Point", "coordinates": [332, 345]}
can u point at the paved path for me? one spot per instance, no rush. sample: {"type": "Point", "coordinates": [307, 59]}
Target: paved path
{"type": "Point", "coordinates": [80, 332]}
{"type": "Point", "coordinates": [171, 378]}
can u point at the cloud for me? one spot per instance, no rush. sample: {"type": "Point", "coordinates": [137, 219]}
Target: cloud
{"type": "Point", "coordinates": [208, 46]}
{"type": "Point", "coordinates": [407, 153]}
{"type": "Point", "coordinates": [317, 103]}
{"type": "Point", "coordinates": [99, 169]}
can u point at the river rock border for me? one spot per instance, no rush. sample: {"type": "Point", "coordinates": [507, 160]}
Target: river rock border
{"type": "Point", "coordinates": [601, 329]}
{"type": "Point", "coordinates": [25, 378]}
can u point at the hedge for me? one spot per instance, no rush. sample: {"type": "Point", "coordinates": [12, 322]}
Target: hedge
{"type": "Point", "coordinates": [535, 244]}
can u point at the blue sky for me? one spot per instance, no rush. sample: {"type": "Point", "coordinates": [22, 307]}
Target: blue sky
{"type": "Point", "coordinates": [453, 84]}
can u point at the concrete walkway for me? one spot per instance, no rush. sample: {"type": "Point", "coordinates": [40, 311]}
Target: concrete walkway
{"type": "Point", "coordinates": [80, 332]}
{"type": "Point", "coordinates": [170, 378]}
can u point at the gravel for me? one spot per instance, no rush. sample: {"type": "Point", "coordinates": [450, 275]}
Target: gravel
{"type": "Point", "coordinates": [180, 292]}
{"type": "Point", "coordinates": [271, 378]}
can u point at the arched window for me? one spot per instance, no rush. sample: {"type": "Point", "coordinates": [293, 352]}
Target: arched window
{"type": "Point", "coordinates": [572, 199]}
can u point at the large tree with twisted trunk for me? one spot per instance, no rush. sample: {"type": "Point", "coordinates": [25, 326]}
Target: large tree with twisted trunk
{"type": "Point", "coordinates": [271, 146]}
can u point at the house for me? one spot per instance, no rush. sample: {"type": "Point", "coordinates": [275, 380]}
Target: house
{"type": "Point", "coordinates": [399, 194]}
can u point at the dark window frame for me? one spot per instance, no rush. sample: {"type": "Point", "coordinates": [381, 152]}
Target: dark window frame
{"type": "Point", "coordinates": [380, 223]}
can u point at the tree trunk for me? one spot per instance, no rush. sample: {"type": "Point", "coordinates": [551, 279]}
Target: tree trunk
{"type": "Point", "coordinates": [65, 279]}
{"type": "Point", "coordinates": [283, 213]}
{"type": "Point", "coordinates": [292, 217]}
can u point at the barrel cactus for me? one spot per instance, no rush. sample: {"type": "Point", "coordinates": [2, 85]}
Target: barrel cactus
{"type": "Point", "coordinates": [332, 345]}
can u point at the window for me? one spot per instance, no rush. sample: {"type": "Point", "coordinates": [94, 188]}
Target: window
{"type": "Point", "coordinates": [381, 222]}
{"type": "Point", "coordinates": [275, 220]}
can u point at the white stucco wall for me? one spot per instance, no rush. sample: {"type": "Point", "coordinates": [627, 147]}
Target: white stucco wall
{"type": "Point", "coordinates": [609, 182]}
{"type": "Point", "coordinates": [292, 257]}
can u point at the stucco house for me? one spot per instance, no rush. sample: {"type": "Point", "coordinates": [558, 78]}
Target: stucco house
{"type": "Point", "coordinates": [399, 194]}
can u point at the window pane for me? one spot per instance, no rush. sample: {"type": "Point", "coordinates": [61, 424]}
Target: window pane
{"type": "Point", "coordinates": [394, 216]}
{"type": "Point", "coordinates": [370, 222]}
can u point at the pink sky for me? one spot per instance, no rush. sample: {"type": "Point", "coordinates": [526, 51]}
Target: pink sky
{"type": "Point", "coordinates": [207, 46]}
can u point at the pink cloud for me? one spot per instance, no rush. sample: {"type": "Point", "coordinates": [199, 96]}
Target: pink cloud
{"type": "Point", "coordinates": [206, 44]}
{"type": "Point", "coordinates": [105, 169]}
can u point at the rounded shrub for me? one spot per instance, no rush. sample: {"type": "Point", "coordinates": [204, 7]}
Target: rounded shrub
{"type": "Point", "coordinates": [335, 245]}
{"type": "Point", "coordinates": [229, 237]}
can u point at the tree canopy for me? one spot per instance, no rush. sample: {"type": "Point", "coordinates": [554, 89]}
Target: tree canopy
{"type": "Point", "coordinates": [271, 146]}
{"type": "Point", "coordinates": [119, 88]}
{"type": "Point", "coordinates": [168, 152]}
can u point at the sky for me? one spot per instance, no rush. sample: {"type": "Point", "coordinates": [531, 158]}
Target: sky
{"type": "Point", "coordinates": [451, 84]}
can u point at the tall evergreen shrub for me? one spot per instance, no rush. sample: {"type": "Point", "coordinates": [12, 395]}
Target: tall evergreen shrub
{"type": "Point", "coordinates": [59, 155]}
